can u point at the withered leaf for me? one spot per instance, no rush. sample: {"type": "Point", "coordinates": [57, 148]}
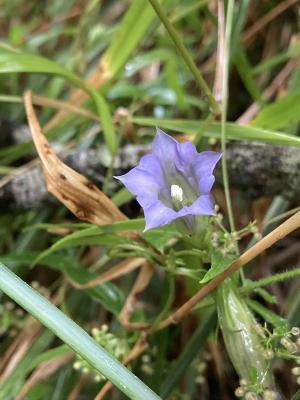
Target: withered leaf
{"type": "Point", "coordinates": [75, 191]}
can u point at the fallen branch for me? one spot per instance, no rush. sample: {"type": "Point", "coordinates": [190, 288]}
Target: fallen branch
{"type": "Point", "coordinates": [256, 169]}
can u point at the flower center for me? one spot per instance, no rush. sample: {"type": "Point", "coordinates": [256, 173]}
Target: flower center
{"type": "Point", "coordinates": [177, 193]}
{"type": "Point", "coordinates": [177, 196]}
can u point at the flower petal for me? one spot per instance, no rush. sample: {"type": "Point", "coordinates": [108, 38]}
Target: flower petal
{"type": "Point", "coordinates": [156, 213]}
{"type": "Point", "coordinates": [203, 166]}
{"type": "Point", "coordinates": [146, 179]}
{"type": "Point", "coordinates": [187, 152]}
{"type": "Point", "coordinates": [165, 149]}
{"type": "Point", "coordinates": [204, 205]}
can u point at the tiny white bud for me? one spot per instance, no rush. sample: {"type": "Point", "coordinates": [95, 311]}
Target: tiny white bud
{"type": "Point", "coordinates": [269, 395]}
{"type": "Point", "coordinates": [146, 358]}
{"type": "Point", "coordinates": [296, 371]}
{"type": "Point", "coordinates": [77, 365]}
{"type": "Point", "coordinates": [243, 382]}
{"type": "Point", "coordinates": [9, 306]}
{"type": "Point", "coordinates": [95, 331]}
{"type": "Point", "coordinates": [269, 354]}
{"type": "Point", "coordinates": [239, 392]}
{"type": "Point", "coordinates": [176, 193]}
{"type": "Point", "coordinates": [295, 331]}
{"type": "Point", "coordinates": [98, 378]}
{"type": "Point", "coordinates": [250, 396]}
{"type": "Point", "coordinates": [200, 380]}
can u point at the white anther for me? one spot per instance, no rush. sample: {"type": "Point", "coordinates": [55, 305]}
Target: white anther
{"type": "Point", "coordinates": [176, 193]}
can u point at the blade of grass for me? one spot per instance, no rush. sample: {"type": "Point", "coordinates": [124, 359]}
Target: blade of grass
{"type": "Point", "coordinates": [185, 55]}
{"type": "Point", "coordinates": [191, 350]}
{"type": "Point", "coordinates": [233, 130]}
{"type": "Point", "coordinates": [224, 105]}
{"type": "Point", "coordinates": [12, 62]}
{"type": "Point", "coordinates": [69, 332]}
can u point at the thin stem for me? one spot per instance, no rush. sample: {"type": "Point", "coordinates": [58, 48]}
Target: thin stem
{"type": "Point", "coordinates": [74, 336]}
{"type": "Point", "coordinates": [224, 105]}
{"type": "Point", "coordinates": [270, 280]}
{"type": "Point", "coordinates": [185, 55]}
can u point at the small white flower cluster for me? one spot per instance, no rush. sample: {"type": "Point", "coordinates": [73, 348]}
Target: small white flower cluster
{"type": "Point", "coordinates": [249, 392]}
{"type": "Point", "coordinates": [296, 371]}
{"type": "Point", "coordinates": [117, 346]}
{"type": "Point", "coordinates": [289, 339]}
{"type": "Point", "coordinates": [289, 345]}
{"type": "Point", "coordinates": [226, 241]}
{"type": "Point", "coordinates": [147, 364]}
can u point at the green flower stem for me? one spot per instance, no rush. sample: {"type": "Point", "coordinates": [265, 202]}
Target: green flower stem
{"type": "Point", "coordinates": [73, 336]}
{"type": "Point", "coordinates": [185, 55]}
{"type": "Point", "coordinates": [225, 74]}
{"type": "Point", "coordinates": [270, 279]}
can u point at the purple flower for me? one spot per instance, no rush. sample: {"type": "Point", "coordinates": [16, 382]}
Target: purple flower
{"type": "Point", "coordinates": [173, 181]}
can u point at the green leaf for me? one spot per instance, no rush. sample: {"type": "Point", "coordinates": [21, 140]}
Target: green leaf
{"type": "Point", "coordinates": [245, 72]}
{"type": "Point", "coordinates": [107, 294]}
{"type": "Point", "coordinates": [269, 316]}
{"type": "Point", "coordinates": [160, 237]}
{"type": "Point", "coordinates": [15, 62]}
{"type": "Point", "coordinates": [219, 262]}
{"type": "Point", "coordinates": [96, 235]}
{"type": "Point", "coordinates": [296, 395]}
{"type": "Point", "coordinates": [280, 114]}
{"type": "Point", "coordinates": [139, 17]}
{"type": "Point", "coordinates": [233, 131]}
{"type": "Point", "coordinates": [194, 346]}
{"type": "Point", "coordinates": [74, 336]}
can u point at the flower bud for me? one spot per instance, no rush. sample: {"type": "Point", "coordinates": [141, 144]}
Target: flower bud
{"type": "Point", "coordinates": [269, 354]}
{"type": "Point", "coordinates": [289, 345]}
{"type": "Point", "coordinates": [239, 392]}
{"type": "Point", "coordinates": [241, 340]}
{"type": "Point", "coordinates": [295, 331]}
{"type": "Point", "coordinates": [251, 396]}
{"type": "Point", "coordinates": [269, 395]}
{"type": "Point", "coordinates": [296, 371]}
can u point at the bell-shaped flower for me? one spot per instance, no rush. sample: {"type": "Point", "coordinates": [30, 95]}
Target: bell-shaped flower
{"type": "Point", "coordinates": [173, 181]}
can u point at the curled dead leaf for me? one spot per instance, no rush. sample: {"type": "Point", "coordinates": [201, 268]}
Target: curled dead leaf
{"type": "Point", "coordinates": [75, 191]}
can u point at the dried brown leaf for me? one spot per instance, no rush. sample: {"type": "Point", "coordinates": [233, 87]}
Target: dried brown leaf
{"type": "Point", "coordinates": [75, 191]}
{"type": "Point", "coordinates": [45, 370]}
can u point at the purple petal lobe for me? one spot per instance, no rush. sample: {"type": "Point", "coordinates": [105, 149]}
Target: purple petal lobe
{"type": "Point", "coordinates": [156, 213]}
{"type": "Point", "coordinates": [203, 166]}
{"type": "Point", "coordinates": [146, 179]}
{"type": "Point", "coordinates": [164, 147]}
{"type": "Point", "coordinates": [187, 152]}
{"type": "Point", "coordinates": [204, 205]}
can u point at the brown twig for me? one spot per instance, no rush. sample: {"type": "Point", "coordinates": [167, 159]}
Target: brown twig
{"type": "Point", "coordinates": [19, 347]}
{"type": "Point", "coordinates": [280, 232]}
{"type": "Point", "coordinates": [269, 92]}
{"type": "Point", "coordinates": [266, 19]}
{"type": "Point", "coordinates": [122, 268]}
{"type": "Point", "coordinates": [45, 370]}
{"type": "Point", "coordinates": [74, 394]}
{"type": "Point", "coordinates": [139, 286]}
{"type": "Point", "coordinates": [217, 91]}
